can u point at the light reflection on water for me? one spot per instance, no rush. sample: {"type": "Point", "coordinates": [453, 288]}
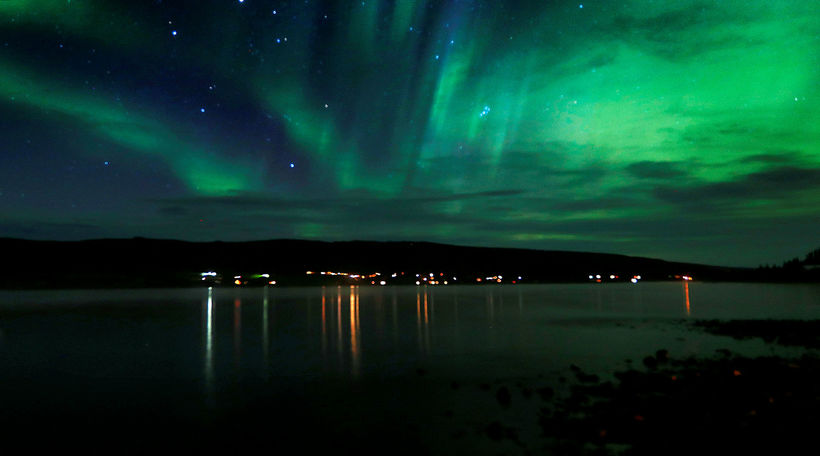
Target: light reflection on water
{"type": "Point", "coordinates": [342, 331]}
{"type": "Point", "coordinates": [347, 354]}
{"type": "Point", "coordinates": [209, 342]}
{"type": "Point", "coordinates": [219, 338]}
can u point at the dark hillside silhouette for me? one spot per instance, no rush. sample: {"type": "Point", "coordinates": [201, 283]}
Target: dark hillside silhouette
{"type": "Point", "coordinates": [141, 262]}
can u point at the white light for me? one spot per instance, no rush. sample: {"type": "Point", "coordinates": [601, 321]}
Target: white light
{"type": "Point", "coordinates": [418, 283]}
{"type": "Point", "coordinates": [266, 275]}
{"type": "Point", "coordinates": [519, 277]}
{"type": "Point", "coordinates": [634, 280]}
{"type": "Point", "coordinates": [598, 276]}
{"type": "Point", "coordinates": [237, 277]}
{"type": "Point", "coordinates": [638, 277]}
{"type": "Point", "coordinates": [591, 277]}
{"type": "Point", "coordinates": [382, 283]}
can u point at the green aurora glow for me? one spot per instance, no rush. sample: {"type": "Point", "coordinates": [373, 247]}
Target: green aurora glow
{"type": "Point", "coordinates": [683, 129]}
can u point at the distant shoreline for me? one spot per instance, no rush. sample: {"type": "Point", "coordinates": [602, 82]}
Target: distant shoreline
{"type": "Point", "coordinates": [151, 263]}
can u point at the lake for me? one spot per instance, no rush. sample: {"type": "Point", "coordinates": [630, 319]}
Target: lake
{"type": "Point", "coordinates": [346, 368]}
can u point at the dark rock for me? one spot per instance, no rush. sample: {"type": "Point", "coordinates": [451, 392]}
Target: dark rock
{"type": "Point", "coordinates": [546, 393]}
{"type": "Point", "coordinates": [497, 431]}
{"type": "Point", "coordinates": [503, 396]}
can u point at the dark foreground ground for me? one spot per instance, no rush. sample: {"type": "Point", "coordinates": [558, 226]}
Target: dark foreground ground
{"type": "Point", "coordinates": [724, 404]}
{"type": "Point", "coordinates": [663, 405]}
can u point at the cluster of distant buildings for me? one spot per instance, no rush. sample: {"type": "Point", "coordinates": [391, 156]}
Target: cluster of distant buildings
{"type": "Point", "coordinates": [374, 278]}
{"type": "Point", "coordinates": [394, 278]}
{"type": "Point", "coordinates": [635, 278]}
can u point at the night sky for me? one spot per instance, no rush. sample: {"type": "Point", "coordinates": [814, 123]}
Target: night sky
{"type": "Point", "coordinates": [685, 130]}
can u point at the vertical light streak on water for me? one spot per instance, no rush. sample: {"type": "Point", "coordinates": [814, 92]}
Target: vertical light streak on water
{"type": "Point", "coordinates": [377, 310]}
{"type": "Point", "coordinates": [426, 325]}
{"type": "Point", "coordinates": [432, 307]}
{"type": "Point", "coordinates": [456, 332]}
{"type": "Point", "coordinates": [265, 334]}
{"type": "Point", "coordinates": [237, 332]}
{"type": "Point", "coordinates": [354, 334]}
{"type": "Point", "coordinates": [324, 323]}
{"type": "Point", "coordinates": [339, 348]}
{"type": "Point", "coordinates": [490, 305]}
{"type": "Point", "coordinates": [455, 309]}
{"type": "Point", "coordinates": [686, 297]}
{"type": "Point", "coordinates": [209, 344]}
{"type": "Point", "coordinates": [418, 319]}
{"type": "Point", "coordinates": [358, 320]}
{"type": "Point", "coordinates": [395, 310]}
{"type": "Point", "coordinates": [598, 299]}
{"type": "Point", "coordinates": [520, 303]}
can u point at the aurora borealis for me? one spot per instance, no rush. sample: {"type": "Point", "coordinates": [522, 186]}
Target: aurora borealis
{"type": "Point", "coordinates": [685, 130]}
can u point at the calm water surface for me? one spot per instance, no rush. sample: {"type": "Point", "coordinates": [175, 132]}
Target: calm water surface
{"type": "Point", "coordinates": [417, 364]}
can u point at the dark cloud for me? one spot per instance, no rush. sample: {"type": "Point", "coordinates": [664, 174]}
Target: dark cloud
{"type": "Point", "coordinates": [780, 157]}
{"type": "Point", "coordinates": [656, 170]}
{"type": "Point", "coordinates": [769, 184]}
{"type": "Point", "coordinates": [173, 211]}
{"type": "Point", "coordinates": [43, 229]}
{"type": "Point", "coordinates": [754, 133]}
{"type": "Point", "coordinates": [175, 206]}
{"type": "Point", "coordinates": [679, 33]}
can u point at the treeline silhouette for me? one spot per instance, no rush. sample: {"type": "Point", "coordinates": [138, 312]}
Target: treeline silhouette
{"type": "Point", "coordinates": [806, 269]}
{"type": "Point", "coordinates": [141, 262]}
